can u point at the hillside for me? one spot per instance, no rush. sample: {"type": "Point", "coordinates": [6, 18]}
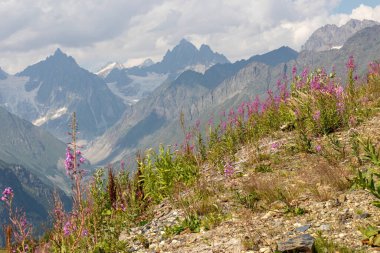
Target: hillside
{"type": "Point", "coordinates": [34, 197]}
{"type": "Point", "coordinates": [295, 172]}
{"type": "Point", "coordinates": [22, 143]}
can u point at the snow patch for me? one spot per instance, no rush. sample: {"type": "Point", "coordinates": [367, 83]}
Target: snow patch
{"type": "Point", "coordinates": [336, 47]}
{"type": "Point", "coordinates": [50, 116]}
{"type": "Point", "coordinates": [146, 84]}
{"type": "Point", "coordinates": [103, 72]}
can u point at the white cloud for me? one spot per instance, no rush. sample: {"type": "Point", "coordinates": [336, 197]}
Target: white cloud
{"type": "Point", "coordinates": [96, 32]}
{"type": "Point", "coordinates": [366, 12]}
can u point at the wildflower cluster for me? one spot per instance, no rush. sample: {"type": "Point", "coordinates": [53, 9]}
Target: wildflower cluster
{"type": "Point", "coordinates": [7, 195]}
{"type": "Point", "coordinates": [20, 226]}
{"type": "Point", "coordinates": [228, 170]}
{"type": "Point", "coordinates": [319, 102]}
{"type": "Point", "coordinates": [73, 161]}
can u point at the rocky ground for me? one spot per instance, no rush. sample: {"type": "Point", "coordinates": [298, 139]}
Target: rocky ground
{"type": "Point", "coordinates": [322, 205]}
{"type": "Point", "coordinates": [337, 219]}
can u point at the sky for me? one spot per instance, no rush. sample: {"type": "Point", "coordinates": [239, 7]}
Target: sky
{"type": "Point", "coordinates": [96, 32]}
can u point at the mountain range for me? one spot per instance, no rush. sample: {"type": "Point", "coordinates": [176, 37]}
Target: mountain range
{"type": "Point", "coordinates": [135, 83]}
{"type": "Point", "coordinates": [333, 37]}
{"type": "Point", "coordinates": [47, 92]}
{"type": "Point", "coordinates": [155, 119]}
{"type": "Point", "coordinates": [122, 109]}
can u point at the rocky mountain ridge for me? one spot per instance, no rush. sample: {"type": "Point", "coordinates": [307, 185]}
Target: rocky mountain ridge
{"type": "Point", "coordinates": [333, 37]}
{"type": "Point", "coordinates": [134, 83]}
{"type": "Point", "coordinates": [47, 92]}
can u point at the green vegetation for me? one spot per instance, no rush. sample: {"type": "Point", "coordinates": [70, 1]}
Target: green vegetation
{"type": "Point", "coordinates": [323, 245]}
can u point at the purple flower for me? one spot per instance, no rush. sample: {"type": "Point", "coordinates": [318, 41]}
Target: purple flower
{"type": "Point", "coordinates": [70, 161]}
{"type": "Point", "coordinates": [8, 191]}
{"type": "Point", "coordinates": [231, 113]}
{"type": "Point", "coordinates": [7, 195]}
{"type": "Point", "coordinates": [85, 232]}
{"type": "Point", "coordinates": [318, 148]}
{"type": "Point", "coordinates": [223, 125]}
{"type": "Point", "coordinates": [350, 63]}
{"type": "Point", "coordinates": [339, 91]}
{"type": "Point", "coordinates": [67, 229]}
{"type": "Point", "coordinates": [122, 165]}
{"type": "Point", "coordinates": [256, 104]}
{"type": "Point", "coordinates": [228, 170]}
{"type": "Point", "coordinates": [294, 71]}
{"type": "Point", "coordinates": [275, 145]}
{"type": "Point", "coordinates": [211, 121]}
{"type": "Point", "coordinates": [241, 109]}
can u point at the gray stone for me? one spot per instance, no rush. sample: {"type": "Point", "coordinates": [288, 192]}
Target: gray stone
{"type": "Point", "coordinates": [363, 215]}
{"type": "Point", "coordinates": [324, 227]}
{"type": "Point", "coordinates": [303, 228]}
{"type": "Point", "coordinates": [302, 243]}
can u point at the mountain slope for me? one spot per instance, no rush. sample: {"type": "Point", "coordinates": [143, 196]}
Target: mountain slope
{"type": "Point", "coordinates": [30, 195]}
{"type": "Point", "coordinates": [48, 92]}
{"type": "Point", "coordinates": [332, 36]}
{"type": "Point", "coordinates": [103, 72]}
{"type": "Point", "coordinates": [32, 147]}
{"type": "Point", "coordinates": [275, 57]}
{"type": "Point", "coordinates": [31, 163]}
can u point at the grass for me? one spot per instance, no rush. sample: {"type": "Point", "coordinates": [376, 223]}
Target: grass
{"type": "Point", "coordinates": [323, 245]}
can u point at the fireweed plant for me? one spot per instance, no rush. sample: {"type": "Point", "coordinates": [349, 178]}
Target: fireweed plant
{"type": "Point", "coordinates": [312, 103]}
{"type": "Point", "coordinates": [19, 225]}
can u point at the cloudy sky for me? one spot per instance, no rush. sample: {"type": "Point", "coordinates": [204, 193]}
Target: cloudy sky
{"type": "Point", "coordinates": [95, 32]}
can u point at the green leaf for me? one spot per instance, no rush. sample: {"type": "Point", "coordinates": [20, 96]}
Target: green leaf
{"type": "Point", "coordinates": [369, 231]}
{"type": "Point", "coordinates": [107, 212]}
{"type": "Point", "coordinates": [376, 203]}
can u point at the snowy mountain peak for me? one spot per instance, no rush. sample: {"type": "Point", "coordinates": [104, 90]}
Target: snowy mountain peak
{"type": "Point", "coordinates": [103, 72]}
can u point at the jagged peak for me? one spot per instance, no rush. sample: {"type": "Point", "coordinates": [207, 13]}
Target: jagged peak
{"type": "Point", "coordinates": [184, 41]}
{"type": "Point", "coordinates": [185, 44]}
{"type": "Point", "coordinates": [59, 60]}
{"type": "Point", "coordinates": [60, 56]}
{"type": "Point", "coordinates": [205, 48]}
{"type": "Point", "coordinates": [58, 52]}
